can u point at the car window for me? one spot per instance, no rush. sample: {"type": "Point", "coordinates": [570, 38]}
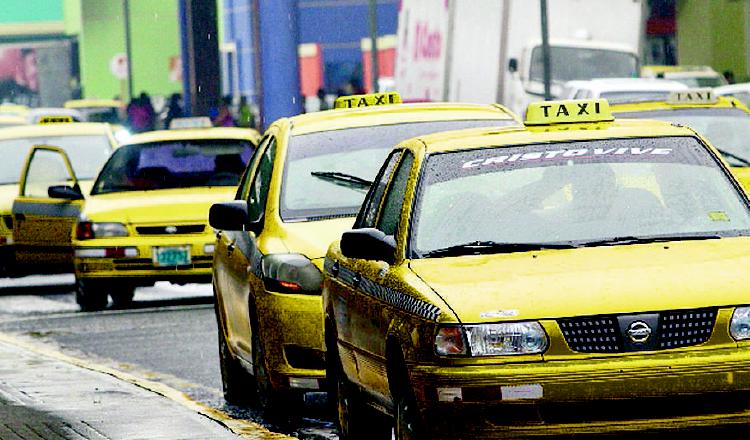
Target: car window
{"type": "Point", "coordinates": [258, 191]}
{"type": "Point", "coordinates": [244, 185]}
{"type": "Point", "coordinates": [47, 168]}
{"type": "Point", "coordinates": [728, 129]}
{"type": "Point", "coordinates": [375, 197]}
{"type": "Point", "coordinates": [174, 164]}
{"type": "Point", "coordinates": [338, 166]}
{"type": "Point", "coordinates": [394, 201]}
{"type": "Point", "coordinates": [87, 154]}
{"type": "Point", "coordinates": [576, 192]}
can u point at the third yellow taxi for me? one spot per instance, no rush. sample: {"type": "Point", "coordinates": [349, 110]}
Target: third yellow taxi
{"type": "Point", "coordinates": [302, 188]}
{"type": "Point", "coordinates": [579, 275]}
{"type": "Point", "coordinates": [724, 120]}
{"type": "Point", "coordinates": [146, 216]}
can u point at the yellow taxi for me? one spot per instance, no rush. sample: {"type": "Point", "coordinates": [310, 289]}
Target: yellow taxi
{"type": "Point", "coordinates": [579, 275]}
{"type": "Point", "coordinates": [88, 146]}
{"type": "Point", "coordinates": [98, 110]}
{"type": "Point", "coordinates": [146, 218]}
{"type": "Point", "coordinates": [724, 120]}
{"type": "Point", "coordinates": [302, 188]}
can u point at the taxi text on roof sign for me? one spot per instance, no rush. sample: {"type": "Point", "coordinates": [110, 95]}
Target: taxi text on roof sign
{"type": "Point", "coordinates": [355, 101]}
{"type": "Point", "coordinates": [570, 111]}
{"type": "Point", "coordinates": [703, 95]}
{"type": "Point", "coordinates": [55, 119]}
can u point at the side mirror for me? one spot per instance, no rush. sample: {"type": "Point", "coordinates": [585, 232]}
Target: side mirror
{"type": "Point", "coordinates": [368, 244]}
{"type": "Point", "coordinates": [64, 192]}
{"type": "Point", "coordinates": [231, 216]}
{"type": "Point", "coordinates": [513, 65]}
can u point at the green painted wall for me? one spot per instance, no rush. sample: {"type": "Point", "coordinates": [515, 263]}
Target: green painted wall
{"type": "Point", "coordinates": [72, 14]}
{"type": "Point", "coordinates": [712, 33]}
{"type": "Point", "coordinates": [30, 11]}
{"type": "Point", "coordinates": [154, 39]}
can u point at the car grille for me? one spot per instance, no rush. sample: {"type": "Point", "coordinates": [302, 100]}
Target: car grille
{"type": "Point", "coordinates": [126, 264]}
{"type": "Point", "coordinates": [170, 229]}
{"type": "Point", "coordinates": [602, 334]}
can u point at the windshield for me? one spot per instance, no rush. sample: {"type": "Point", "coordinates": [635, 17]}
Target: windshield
{"type": "Point", "coordinates": [174, 164]}
{"type": "Point", "coordinates": [351, 152]}
{"type": "Point", "coordinates": [634, 96]}
{"type": "Point", "coordinates": [575, 193]}
{"type": "Point", "coordinates": [86, 153]}
{"type": "Point", "coordinates": [728, 129]}
{"type": "Point", "coordinates": [578, 63]}
{"type": "Point", "coordinates": [695, 81]}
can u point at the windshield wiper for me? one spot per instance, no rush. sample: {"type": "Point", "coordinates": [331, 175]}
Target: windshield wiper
{"type": "Point", "coordinates": [343, 179]}
{"type": "Point", "coordinates": [491, 247]}
{"type": "Point", "coordinates": [615, 241]}
{"type": "Point", "coordinates": [741, 159]}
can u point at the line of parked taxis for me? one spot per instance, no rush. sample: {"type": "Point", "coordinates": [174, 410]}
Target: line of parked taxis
{"type": "Point", "coordinates": [579, 272]}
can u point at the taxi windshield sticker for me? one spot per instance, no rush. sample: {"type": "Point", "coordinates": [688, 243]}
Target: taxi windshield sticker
{"type": "Point", "coordinates": [685, 150]}
{"type": "Point", "coordinates": [369, 100]}
{"type": "Point", "coordinates": [718, 216]}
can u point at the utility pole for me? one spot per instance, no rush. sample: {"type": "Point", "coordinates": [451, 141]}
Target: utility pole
{"type": "Point", "coordinates": [373, 19]}
{"type": "Point", "coordinates": [546, 53]}
{"type": "Point", "coordinates": [128, 48]}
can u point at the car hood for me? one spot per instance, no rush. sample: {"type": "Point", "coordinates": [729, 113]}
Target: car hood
{"type": "Point", "coordinates": [157, 206]}
{"type": "Point", "coordinates": [313, 238]}
{"type": "Point", "coordinates": [591, 281]}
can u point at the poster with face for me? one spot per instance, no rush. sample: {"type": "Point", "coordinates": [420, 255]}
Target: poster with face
{"type": "Point", "coordinates": [19, 75]}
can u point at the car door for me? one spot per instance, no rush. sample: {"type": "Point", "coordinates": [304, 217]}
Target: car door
{"type": "Point", "coordinates": [44, 222]}
{"type": "Point", "coordinates": [366, 322]}
{"type": "Point", "coordinates": [237, 252]}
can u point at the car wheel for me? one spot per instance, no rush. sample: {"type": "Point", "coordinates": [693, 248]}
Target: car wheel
{"type": "Point", "coordinates": [273, 403]}
{"type": "Point", "coordinates": [90, 295]}
{"type": "Point", "coordinates": [122, 296]}
{"type": "Point", "coordinates": [355, 420]}
{"type": "Point", "coordinates": [237, 383]}
{"type": "Point", "coordinates": [408, 424]}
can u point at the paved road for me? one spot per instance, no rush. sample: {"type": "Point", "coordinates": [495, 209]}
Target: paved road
{"type": "Point", "coordinates": [169, 335]}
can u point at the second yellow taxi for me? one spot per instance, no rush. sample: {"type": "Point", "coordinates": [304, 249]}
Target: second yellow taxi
{"type": "Point", "coordinates": [303, 188]}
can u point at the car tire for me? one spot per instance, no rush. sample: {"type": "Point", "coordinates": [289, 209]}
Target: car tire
{"type": "Point", "coordinates": [238, 385]}
{"type": "Point", "coordinates": [408, 425]}
{"type": "Point", "coordinates": [90, 295]}
{"type": "Point", "coordinates": [354, 419]}
{"type": "Point", "coordinates": [275, 405]}
{"type": "Point", "coordinates": [122, 296]}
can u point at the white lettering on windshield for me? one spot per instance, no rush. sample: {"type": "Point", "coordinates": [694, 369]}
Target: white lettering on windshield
{"type": "Point", "coordinates": [560, 154]}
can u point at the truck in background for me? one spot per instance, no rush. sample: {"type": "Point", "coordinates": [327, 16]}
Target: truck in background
{"type": "Point", "coordinates": [490, 50]}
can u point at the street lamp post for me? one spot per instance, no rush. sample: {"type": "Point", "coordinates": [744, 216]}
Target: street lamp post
{"type": "Point", "coordinates": [546, 53]}
{"type": "Point", "coordinates": [373, 19]}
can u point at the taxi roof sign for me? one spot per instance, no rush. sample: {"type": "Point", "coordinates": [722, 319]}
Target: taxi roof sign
{"type": "Point", "coordinates": [62, 119]}
{"type": "Point", "coordinates": [569, 111]}
{"type": "Point", "coordinates": [193, 122]}
{"type": "Point", "coordinates": [368, 100]}
{"type": "Point", "coordinates": [703, 95]}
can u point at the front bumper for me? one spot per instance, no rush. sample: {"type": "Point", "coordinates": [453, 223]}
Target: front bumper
{"type": "Point", "coordinates": [142, 267]}
{"type": "Point", "coordinates": [291, 331]}
{"type": "Point", "coordinates": [680, 389]}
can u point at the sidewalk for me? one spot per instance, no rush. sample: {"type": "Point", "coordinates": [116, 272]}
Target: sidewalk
{"type": "Point", "coordinates": [47, 395]}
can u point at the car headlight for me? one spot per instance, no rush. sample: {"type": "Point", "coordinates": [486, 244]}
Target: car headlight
{"type": "Point", "coordinates": [508, 338]}
{"type": "Point", "coordinates": [739, 326]}
{"type": "Point", "coordinates": [86, 230]}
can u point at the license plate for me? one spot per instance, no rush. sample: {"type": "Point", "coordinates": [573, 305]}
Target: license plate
{"type": "Point", "coordinates": [171, 256]}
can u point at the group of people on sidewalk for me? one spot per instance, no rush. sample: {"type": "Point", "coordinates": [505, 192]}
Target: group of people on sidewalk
{"type": "Point", "coordinates": [141, 115]}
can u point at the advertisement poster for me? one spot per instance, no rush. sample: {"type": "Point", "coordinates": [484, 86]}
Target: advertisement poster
{"type": "Point", "coordinates": [19, 75]}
